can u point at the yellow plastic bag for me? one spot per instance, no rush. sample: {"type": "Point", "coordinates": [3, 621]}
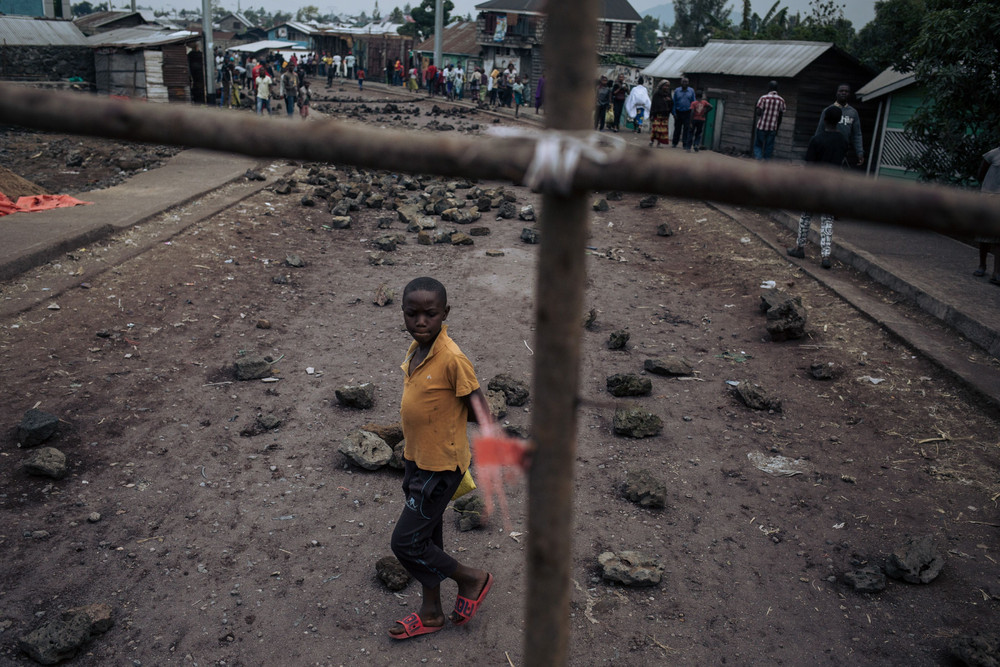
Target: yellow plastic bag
{"type": "Point", "coordinates": [467, 485]}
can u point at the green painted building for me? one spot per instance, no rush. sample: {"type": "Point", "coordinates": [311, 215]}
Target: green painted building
{"type": "Point", "coordinates": [898, 96]}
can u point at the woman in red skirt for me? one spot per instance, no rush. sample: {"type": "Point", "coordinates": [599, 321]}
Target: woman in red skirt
{"type": "Point", "coordinates": [659, 114]}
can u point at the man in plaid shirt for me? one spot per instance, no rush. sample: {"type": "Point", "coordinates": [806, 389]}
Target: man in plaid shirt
{"type": "Point", "coordinates": [770, 109]}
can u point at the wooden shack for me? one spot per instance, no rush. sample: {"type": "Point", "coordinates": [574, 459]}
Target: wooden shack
{"type": "Point", "coordinates": [147, 63]}
{"type": "Point", "coordinates": [734, 74]}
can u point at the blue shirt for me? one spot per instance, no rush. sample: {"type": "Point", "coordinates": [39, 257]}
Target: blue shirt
{"type": "Point", "coordinates": [683, 98]}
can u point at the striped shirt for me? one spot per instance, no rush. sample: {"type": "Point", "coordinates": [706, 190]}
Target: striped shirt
{"type": "Point", "coordinates": [772, 106]}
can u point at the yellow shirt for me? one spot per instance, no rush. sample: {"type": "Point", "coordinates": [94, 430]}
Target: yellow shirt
{"type": "Point", "coordinates": [433, 414]}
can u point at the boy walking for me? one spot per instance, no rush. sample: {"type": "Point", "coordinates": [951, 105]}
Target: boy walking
{"type": "Point", "coordinates": [827, 147]}
{"type": "Point", "coordinates": [439, 380]}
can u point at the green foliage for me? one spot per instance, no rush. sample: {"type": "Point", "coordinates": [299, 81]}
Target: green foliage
{"type": "Point", "coordinates": [423, 17]}
{"type": "Point", "coordinates": [616, 59]}
{"type": "Point", "coordinates": [955, 56]}
{"type": "Point", "coordinates": [696, 21]}
{"type": "Point", "coordinates": [396, 15]}
{"type": "Point", "coordinates": [645, 35]}
{"type": "Point", "coordinates": [307, 13]}
{"type": "Point", "coordinates": [84, 8]}
{"type": "Point", "coordinates": [895, 26]}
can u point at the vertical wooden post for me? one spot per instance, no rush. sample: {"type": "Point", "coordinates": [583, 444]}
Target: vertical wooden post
{"type": "Point", "coordinates": [570, 47]}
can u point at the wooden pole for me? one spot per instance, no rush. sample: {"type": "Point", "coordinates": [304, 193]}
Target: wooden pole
{"type": "Point", "coordinates": [742, 182]}
{"type": "Point", "coordinates": [570, 44]}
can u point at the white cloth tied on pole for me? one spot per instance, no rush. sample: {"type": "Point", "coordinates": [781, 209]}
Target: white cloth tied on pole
{"type": "Point", "coordinates": [558, 154]}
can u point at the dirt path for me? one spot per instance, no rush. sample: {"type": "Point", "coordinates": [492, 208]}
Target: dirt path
{"type": "Point", "coordinates": [216, 548]}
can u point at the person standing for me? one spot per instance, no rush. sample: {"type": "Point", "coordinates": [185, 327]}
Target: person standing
{"type": "Point", "coordinates": [850, 126]}
{"type": "Point", "coordinates": [619, 93]}
{"type": "Point", "coordinates": [349, 65]}
{"type": "Point", "coordinates": [305, 97]}
{"type": "Point", "coordinates": [361, 79]}
{"type": "Point", "coordinates": [637, 105]}
{"type": "Point", "coordinates": [540, 92]}
{"type": "Point", "coordinates": [603, 100]}
{"type": "Point", "coordinates": [827, 147]}
{"type": "Point", "coordinates": [699, 114]}
{"type": "Point", "coordinates": [683, 97]}
{"type": "Point", "coordinates": [989, 179]}
{"type": "Point", "coordinates": [659, 115]}
{"type": "Point", "coordinates": [263, 84]}
{"type": "Point", "coordinates": [769, 112]}
{"type": "Point", "coordinates": [518, 90]}
{"type": "Point", "coordinates": [336, 65]}
{"type": "Point", "coordinates": [289, 88]}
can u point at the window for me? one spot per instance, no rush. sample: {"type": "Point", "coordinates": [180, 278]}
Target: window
{"type": "Point", "coordinates": [628, 31]}
{"type": "Point", "coordinates": [491, 23]}
{"type": "Point", "coordinates": [607, 33]}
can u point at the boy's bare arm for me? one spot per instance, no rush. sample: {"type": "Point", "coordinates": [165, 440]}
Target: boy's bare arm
{"type": "Point", "coordinates": [479, 396]}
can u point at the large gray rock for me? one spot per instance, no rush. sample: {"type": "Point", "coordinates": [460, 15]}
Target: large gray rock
{"type": "Point", "coordinates": [392, 573]}
{"type": "Point", "coordinates": [62, 638]}
{"type": "Point", "coordinates": [366, 449]}
{"type": "Point", "coordinates": [361, 396]}
{"type": "Point", "coordinates": [635, 422]}
{"type": "Point", "coordinates": [46, 462]}
{"type": "Point", "coordinates": [515, 391]}
{"type": "Point", "coordinates": [629, 384]}
{"type": "Point", "coordinates": [631, 568]}
{"type": "Point", "coordinates": [36, 427]}
{"type": "Point", "coordinates": [643, 488]}
{"type": "Point", "coordinates": [508, 210]}
{"type": "Point", "coordinates": [786, 319]}
{"type": "Point", "coordinates": [917, 560]}
{"type": "Point", "coordinates": [252, 368]}
{"type": "Point", "coordinates": [670, 366]}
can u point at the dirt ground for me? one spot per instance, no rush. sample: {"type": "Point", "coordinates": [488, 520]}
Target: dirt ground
{"type": "Point", "coordinates": [215, 548]}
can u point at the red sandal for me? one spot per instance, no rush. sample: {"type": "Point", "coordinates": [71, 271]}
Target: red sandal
{"type": "Point", "coordinates": [413, 627]}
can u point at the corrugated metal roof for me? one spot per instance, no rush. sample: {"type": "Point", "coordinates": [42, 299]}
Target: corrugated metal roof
{"type": "Point", "coordinates": [671, 63]}
{"type": "Point", "coordinates": [457, 39]}
{"type": "Point", "coordinates": [888, 81]}
{"type": "Point", "coordinates": [613, 10]}
{"type": "Point", "coordinates": [756, 57]}
{"type": "Point", "coordinates": [30, 31]}
{"type": "Point", "coordinates": [266, 44]}
{"type": "Point", "coordinates": [97, 19]}
{"type": "Point", "coordinates": [140, 36]}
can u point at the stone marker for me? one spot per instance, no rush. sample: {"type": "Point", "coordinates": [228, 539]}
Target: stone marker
{"type": "Point", "coordinates": [515, 391]}
{"type": "Point", "coordinates": [917, 560]}
{"type": "Point", "coordinates": [629, 384]}
{"type": "Point", "coordinates": [669, 366]}
{"type": "Point", "coordinates": [46, 462]}
{"type": "Point", "coordinates": [361, 396]}
{"type": "Point", "coordinates": [36, 427]}
{"type": "Point", "coordinates": [631, 568]}
{"type": "Point", "coordinates": [365, 449]}
{"type": "Point", "coordinates": [643, 488]}
{"type": "Point", "coordinates": [634, 422]}
{"type": "Point", "coordinates": [392, 573]}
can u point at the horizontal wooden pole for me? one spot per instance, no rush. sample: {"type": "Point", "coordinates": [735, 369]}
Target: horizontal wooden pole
{"type": "Point", "coordinates": [740, 182]}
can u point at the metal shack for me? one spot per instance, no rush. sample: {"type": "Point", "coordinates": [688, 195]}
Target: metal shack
{"type": "Point", "coordinates": [148, 63]}
{"type": "Point", "coordinates": [734, 74]}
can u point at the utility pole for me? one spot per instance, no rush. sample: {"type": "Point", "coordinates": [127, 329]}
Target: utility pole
{"type": "Point", "coordinates": [206, 29]}
{"type": "Point", "coordinates": [438, 29]}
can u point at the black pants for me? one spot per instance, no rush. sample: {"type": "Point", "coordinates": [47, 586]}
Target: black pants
{"type": "Point", "coordinates": [682, 128]}
{"type": "Point", "coordinates": [618, 106]}
{"type": "Point", "coordinates": [599, 115]}
{"type": "Point", "coordinates": [418, 539]}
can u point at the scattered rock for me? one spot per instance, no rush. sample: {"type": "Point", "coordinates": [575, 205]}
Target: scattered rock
{"type": "Point", "coordinates": [786, 316]}
{"type": "Point", "coordinates": [392, 573]}
{"type": "Point", "coordinates": [461, 238]}
{"type": "Point", "coordinates": [480, 231]}
{"type": "Point", "coordinates": [282, 187]}
{"type": "Point", "coordinates": [307, 201]}
{"type": "Point", "coordinates": [497, 403]}
{"type": "Point", "coordinates": [391, 433]}
{"type": "Point", "coordinates": [471, 510]}
{"type": "Point", "coordinates": [340, 222]}
{"type": "Point", "coordinates": [515, 391]}
{"type": "Point", "coordinates": [618, 339]}
{"type": "Point", "coordinates": [629, 384]}
{"type": "Point", "coordinates": [917, 560]}
{"type": "Point", "coordinates": [600, 205]}
{"type": "Point", "coordinates": [361, 396]}
{"type": "Point", "coordinates": [280, 279]}
{"type": "Point", "coordinates": [94, 517]}
{"type": "Point", "coordinates": [648, 202]}
{"type": "Point", "coordinates": [294, 261]}
{"type": "Point", "coordinates": [252, 175]}
{"type": "Point", "coordinates": [263, 324]}
{"type": "Point", "coordinates": [977, 650]}
{"type": "Point", "coordinates": [590, 319]}
{"type": "Point", "coordinates": [821, 371]}
{"type": "Point", "coordinates": [866, 580]}
{"type": "Point", "coordinates": [643, 488]}
{"type": "Point", "coordinates": [46, 462]}
{"type": "Point", "coordinates": [36, 427]}
{"type": "Point", "coordinates": [252, 368]}
{"type": "Point", "coordinates": [631, 568]}
{"type": "Point", "coordinates": [365, 449]}
{"type": "Point", "coordinates": [663, 229]}
{"type": "Point", "coordinates": [615, 195]}
{"type": "Point", "coordinates": [527, 213]}
{"type": "Point", "coordinates": [495, 253]}
{"type": "Point", "coordinates": [398, 462]}
{"type": "Point", "coordinates": [529, 235]}
{"type": "Point", "coordinates": [634, 422]}
{"type": "Point", "coordinates": [755, 398]}
{"type": "Point", "coordinates": [670, 366]}
{"type": "Point", "coordinates": [383, 295]}
{"type": "Point", "coordinates": [386, 243]}
{"type": "Point", "coordinates": [61, 638]}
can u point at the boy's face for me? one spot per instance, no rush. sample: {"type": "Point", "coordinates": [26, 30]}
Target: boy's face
{"type": "Point", "coordinates": [423, 313]}
{"type": "Point", "coordinates": [843, 93]}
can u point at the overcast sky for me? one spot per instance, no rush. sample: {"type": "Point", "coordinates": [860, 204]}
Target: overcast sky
{"type": "Point", "coordinates": [859, 12]}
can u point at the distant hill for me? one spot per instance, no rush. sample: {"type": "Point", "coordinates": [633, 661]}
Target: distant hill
{"type": "Point", "coordinates": [664, 12]}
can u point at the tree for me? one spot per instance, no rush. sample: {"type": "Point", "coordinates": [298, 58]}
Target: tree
{"type": "Point", "coordinates": [826, 23]}
{"type": "Point", "coordinates": [891, 32]}
{"type": "Point", "coordinates": [396, 15]}
{"type": "Point", "coordinates": [645, 35]}
{"type": "Point", "coordinates": [307, 13]}
{"type": "Point", "coordinates": [423, 19]}
{"type": "Point", "coordinates": [695, 21]}
{"type": "Point", "coordinates": [84, 8]}
{"type": "Point", "coordinates": [955, 57]}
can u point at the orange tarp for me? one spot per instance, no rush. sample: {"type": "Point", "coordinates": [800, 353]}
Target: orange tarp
{"type": "Point", "coordinates": [37, 203]}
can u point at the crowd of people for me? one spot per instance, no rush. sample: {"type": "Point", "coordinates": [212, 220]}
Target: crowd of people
{"type": "Point", "coordinates": [687, 107]}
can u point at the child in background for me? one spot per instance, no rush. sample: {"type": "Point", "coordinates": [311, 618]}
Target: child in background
{"type": "Point", "coordinates": [305, 97]}
{"type": "Point", "coordinates": [827, 147]}
{"type": "Point", "coordinates": [361, 79]}
{"type": "Point", "coordinates": [439, 381]}
{"type": "Point", "coordinates": [518, 89]}
{"type": "Point", "coordinates": [699, 114]}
